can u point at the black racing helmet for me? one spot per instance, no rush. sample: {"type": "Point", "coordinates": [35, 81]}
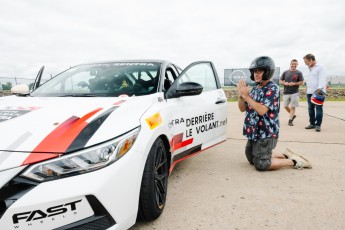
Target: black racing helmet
{"type": "Point", "coordinates": [265, 63]}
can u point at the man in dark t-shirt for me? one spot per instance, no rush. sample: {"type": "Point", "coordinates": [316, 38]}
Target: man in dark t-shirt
{"type": "Point", "coordinates": [291, 79]}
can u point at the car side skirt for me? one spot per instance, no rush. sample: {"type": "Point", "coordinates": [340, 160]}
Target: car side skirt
{"type": "Point", "coordinates": [189, 153]}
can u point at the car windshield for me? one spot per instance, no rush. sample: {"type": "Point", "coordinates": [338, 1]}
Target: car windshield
{"type": "Point", "coordinates": [103, 80]}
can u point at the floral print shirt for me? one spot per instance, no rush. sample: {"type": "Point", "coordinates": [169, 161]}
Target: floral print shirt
{"type": "Point", "coordinates": [260, 127]}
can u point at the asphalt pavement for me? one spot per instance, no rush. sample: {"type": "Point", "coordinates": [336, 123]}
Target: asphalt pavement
{"type": "Point", "coordinates": [219, 189]}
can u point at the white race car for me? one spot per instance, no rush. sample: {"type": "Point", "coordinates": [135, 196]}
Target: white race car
{"type": "Point", "coordinates": [93, 147]}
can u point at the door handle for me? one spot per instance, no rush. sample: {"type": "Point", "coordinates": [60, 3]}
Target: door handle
{"type": "Point", "coordinates": [220, 101]}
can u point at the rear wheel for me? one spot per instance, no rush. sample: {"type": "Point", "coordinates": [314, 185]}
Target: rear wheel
{"type": "Point", "coordinates": [154, 183]}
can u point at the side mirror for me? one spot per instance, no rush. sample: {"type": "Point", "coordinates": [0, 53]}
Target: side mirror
{"type": "Point", "coordinates": [20, 89]}
{"type": "Point", "coordinates": [184, 89]}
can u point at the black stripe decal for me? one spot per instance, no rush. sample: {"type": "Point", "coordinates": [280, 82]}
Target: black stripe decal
{"type": "Point", "coordinates": [187, 152]}
{"type": "Point", "coordinates": [85, 135]}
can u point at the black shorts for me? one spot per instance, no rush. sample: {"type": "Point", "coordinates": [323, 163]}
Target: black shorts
{"type": "Point", "coordinates": [259, 152]}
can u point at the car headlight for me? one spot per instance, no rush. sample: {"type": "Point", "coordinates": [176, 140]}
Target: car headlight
{"type": "Point", "coordinates": [83, 161]}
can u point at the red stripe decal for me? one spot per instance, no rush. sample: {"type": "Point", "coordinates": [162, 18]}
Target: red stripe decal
{"type": "Point", "coordinates": [119, 102]}
{"type": "Point", "coordinates": [182, 144]}
{"type": "Point", "coordinates": [59, 139]}
{"type": "Point", "coordinates": [36, 157]}
{"type": "Point", "coordinates": [177, 143]}
{"type": "Point", "coordinates": [176, 139]}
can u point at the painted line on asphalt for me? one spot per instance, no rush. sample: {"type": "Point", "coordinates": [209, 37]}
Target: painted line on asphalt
{"type": "Point", "coordinates": [328, 115]}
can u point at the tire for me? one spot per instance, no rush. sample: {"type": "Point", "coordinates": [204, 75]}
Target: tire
{"type": "Point", "coordinates": [154, 183]}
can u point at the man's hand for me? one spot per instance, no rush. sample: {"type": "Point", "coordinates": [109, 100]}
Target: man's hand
{"type": "Point", "coordinates": [243, 93]}
{"type": "Point", "coordinates": [243, 90]}
{"type": "Point", "coordinates": [289, 83]}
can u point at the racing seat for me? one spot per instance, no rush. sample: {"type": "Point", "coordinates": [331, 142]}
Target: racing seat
{"type": "Point", "coordinates": [144, 84]}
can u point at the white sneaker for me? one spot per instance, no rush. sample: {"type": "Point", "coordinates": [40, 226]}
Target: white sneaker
{"type": "Point", "coordinates": [299, 165]}
{"type": "Point", "coordinates": [301, 162]}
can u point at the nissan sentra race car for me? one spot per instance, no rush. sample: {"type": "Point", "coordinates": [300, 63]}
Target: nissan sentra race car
{"type": "Point", "coordinates": [92, 148]}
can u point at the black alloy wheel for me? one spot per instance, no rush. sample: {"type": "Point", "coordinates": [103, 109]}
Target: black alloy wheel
{"type": "Point", "coordinates": [154, 183]}
{"type": "Point", "coordinates": [161, 175]}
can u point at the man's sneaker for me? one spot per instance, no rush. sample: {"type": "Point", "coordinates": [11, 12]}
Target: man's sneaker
{"type": "Point", "coordinates": [293, 118]}
{"type": "Point", "coordinates": [298, 158]}
{"type": "Point", "coordinates": [317, 128]}
{"type": "Point", "coordinates": [290, 123]}
{"type": "Point", "coordinates": [310, 127]}
{"type": "Point", "coordinates": [301, 164]}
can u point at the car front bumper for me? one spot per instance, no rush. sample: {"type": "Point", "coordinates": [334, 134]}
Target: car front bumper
{"type": "Point", "coordinates": [103, 199]}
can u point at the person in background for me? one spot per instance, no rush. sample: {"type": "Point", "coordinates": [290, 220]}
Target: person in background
{"type": "Point", "coordinates": [292, 79]}
{"type": "Point", "coordinates": [316, 82]}
{"type": "Point", "coordinates": [261, 105]}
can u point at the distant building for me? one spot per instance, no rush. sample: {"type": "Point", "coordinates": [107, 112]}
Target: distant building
{"type": "Point", "coordinates": [336, 80]}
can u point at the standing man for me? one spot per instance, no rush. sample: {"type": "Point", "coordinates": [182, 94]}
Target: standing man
{"type": "Point", "coordinates": [261, 123]}
{"type": "Point", "coordinates": [292, 79]}
{"type": "Point", "coordinates": [316, 82]}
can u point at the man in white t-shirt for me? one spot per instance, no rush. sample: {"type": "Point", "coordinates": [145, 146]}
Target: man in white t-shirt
{"type": "Point", "coordinates": [316, 82]}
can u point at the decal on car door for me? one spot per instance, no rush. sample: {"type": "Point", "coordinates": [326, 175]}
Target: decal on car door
{"type": "Point", "coordinates": [154, 120]}
{"type": "Point", "coordinates": [177, 142]}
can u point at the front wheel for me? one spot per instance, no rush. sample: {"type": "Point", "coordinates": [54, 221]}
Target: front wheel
{"type": "Point", "coordinates": [154, 183]}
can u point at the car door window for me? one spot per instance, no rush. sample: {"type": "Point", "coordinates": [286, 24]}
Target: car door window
{"type": "Point", "coordinates": [201, 73]}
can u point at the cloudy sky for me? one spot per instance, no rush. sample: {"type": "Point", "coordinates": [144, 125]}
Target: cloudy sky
{"type": "Point", "coordinates": [63, 33]}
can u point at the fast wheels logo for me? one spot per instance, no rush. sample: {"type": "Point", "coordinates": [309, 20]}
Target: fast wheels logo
{"type": "Point", "coordinates": [42, 216]}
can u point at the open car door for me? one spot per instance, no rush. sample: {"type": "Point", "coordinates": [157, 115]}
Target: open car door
{"type": "Point", "coordinates": [199, 120]}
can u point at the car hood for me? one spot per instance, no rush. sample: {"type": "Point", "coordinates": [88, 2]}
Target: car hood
{"type": "Point", "coordinates": [34, 129]}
